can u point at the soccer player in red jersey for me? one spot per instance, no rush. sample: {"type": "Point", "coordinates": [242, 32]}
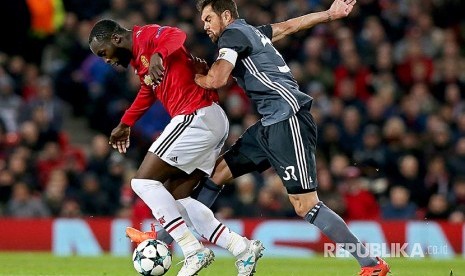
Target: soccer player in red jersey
{"type": "Point", "coordinates": [187, 149]}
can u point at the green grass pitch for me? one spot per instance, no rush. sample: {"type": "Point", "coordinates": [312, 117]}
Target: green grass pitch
{"type": "Point", "coordinates": [14, 264]}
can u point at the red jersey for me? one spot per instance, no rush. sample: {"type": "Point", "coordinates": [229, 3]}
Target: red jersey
{"type": "Point", "coordinates": [178, 91]}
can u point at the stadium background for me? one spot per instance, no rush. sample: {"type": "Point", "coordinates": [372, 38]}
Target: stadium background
{"type": "Point", "coordinates": [388, 84]}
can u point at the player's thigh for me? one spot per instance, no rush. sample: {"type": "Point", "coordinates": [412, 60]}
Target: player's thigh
{"type": "Point", "coordinates": [153, 167]}
{"type": "Point", "coordinates": [182, 185]}
{"type": "Point", "coordinates": [292, 145]}
{"type": "Point", "coordinates": [246, 155]}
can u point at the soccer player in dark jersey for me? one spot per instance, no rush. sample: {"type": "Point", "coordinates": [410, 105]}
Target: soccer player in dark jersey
{"type": "Point", "coordinates": [285, 138]}
{"type": "Point", "coordinates": [187, 149]}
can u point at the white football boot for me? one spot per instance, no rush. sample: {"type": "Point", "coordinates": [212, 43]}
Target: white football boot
{"type": "Point", "coordinates": [247, 261]}
{"type": "Point", "coordinates": [196, 262]}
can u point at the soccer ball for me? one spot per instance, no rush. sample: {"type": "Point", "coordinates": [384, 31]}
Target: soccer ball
{"type": "Point", "coordinates": [151, 257]}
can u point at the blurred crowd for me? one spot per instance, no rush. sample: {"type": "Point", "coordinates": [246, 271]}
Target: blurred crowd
{"type": "Point", "coordinates": [388, 84]}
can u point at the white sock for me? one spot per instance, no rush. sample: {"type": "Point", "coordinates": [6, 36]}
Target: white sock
{"type": "Point", "coordinates": [164, 209]}
{"type": "Point", "coordinates": [202, 219]}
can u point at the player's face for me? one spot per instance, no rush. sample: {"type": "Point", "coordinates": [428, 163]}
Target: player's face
{"type": "Point", "coordinates": [213, 23]}
{"type": "Point", "coordinates": [111, 53]}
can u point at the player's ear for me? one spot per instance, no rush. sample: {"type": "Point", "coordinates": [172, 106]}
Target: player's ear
{"type": "Point", "coordinates": [226, 15]}
{"type": "Point", "coordinates": [116, 39]}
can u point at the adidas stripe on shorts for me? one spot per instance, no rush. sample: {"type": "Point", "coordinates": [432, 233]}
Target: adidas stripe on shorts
{"type": "Point", "coordinates": [193, 141]}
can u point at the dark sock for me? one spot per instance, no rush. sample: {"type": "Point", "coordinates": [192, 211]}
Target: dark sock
{"type": "Point", "coordinates": [163, 236]}
{"type": "Point", "coordinates": [334, 227]}
{"type": "Point", "coordinates": [207, 192]}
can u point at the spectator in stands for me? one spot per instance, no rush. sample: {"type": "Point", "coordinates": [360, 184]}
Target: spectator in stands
{"type": "Point", "coordinates": [328, 193]}
{"type": "Point", "coordinates": [376, 111]}
{"type": "Point", "coordinates": [10, 103]}
{"type": "Point", "coordinates": [437, 178]}
{"type": "Point", "coordinates": [399, 205]}
{"type": "Point", "coordinates": [99, 156]}
{"type": "Point", "coordinates": [352, 67]}
{"type": "Point", "coordinates": [4, 149]}
{"type": "Point", "coordinates": [371, 37]}
{"type": "Point", "coordinates": [54, 193]}
{"type": "Point", "coordinates": [360, 203]}
{"type": "Point", "coordinates": [411, 177]}
{"type": "Point", "coordinates": [458, 195]}
{"type": "Point", "coordinates": [351, 130]}
{"type": "Point", "coordinates": [438, 208]}
{"type": "Point", "coordinates": [49, 159]}
{"type": "Point", "coordinates": [457, 216]}
{"type": "Point", "coordinates": [440, 141]}
{"type": "Point", "coordinates": [244, 203]}
{"type": "Point", "coordinates": [456, 162]}
{"type": "Point", "coordinates": [111, 184]}
{"type": "Point", "coordinates": [92, 200]}
{"type": "Point", "coordinates": [21, 170]}
{"type": "Point", "coordinates": [372, 149]}
{"type": "Point", "coordinates": [46, 99]}
{"type": "Point", "coordinates": [29, 136]}
{"type": "Point", "coordinates": [6, 186]}
{"type": "Point", "coordinates": [23, 204]}
{"type": "Point", "coordinates": [280, 205]}
{"type": "Point", "coordinates": [331, 137]}
{"type": "Point", "coordinates": [337, 167]}
{"type": "Point", "coordinates": [70, 208]}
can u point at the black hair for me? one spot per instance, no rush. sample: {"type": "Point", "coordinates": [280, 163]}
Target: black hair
{"type": "Point", "coordinates": [104, 29]}
{"type": "Point", "coordinates": [219, 6]}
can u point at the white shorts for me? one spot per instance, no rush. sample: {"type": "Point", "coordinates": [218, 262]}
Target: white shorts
{"type": "Point", "coordinates": [193, 141]}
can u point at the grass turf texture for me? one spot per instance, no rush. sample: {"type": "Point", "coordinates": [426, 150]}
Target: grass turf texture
{"type": "Point", "coordinates": [14, 264]}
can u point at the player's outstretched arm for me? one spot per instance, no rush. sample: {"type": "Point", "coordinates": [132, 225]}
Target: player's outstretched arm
{"type": "Point", "coordinates": [218, 75]}
{"type": "Point", "coordinates": [339, 9]}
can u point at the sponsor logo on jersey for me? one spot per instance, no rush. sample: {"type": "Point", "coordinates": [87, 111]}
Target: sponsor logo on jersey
{"type": "Point", "coordinates": [144, 61]}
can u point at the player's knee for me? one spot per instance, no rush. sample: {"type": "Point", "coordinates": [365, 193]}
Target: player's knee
{"type": "Point", "coordinates": [138, 185]}
{"type": "Point", "coordinates": [301, 211]}
{"type": "Point", "coordinates": [304, 203]}
{"type": "Point", "coordinates": [135, 185]}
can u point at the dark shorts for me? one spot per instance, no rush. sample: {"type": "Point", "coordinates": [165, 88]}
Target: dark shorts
{"type": "Point", "coordinates": [288, 146]}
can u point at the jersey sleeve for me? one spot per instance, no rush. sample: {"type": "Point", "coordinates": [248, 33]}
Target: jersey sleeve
{"type": "Point", "coordinates": [266, 30]}
{"type": "Point", "coordinates": [235, 40]}
{"type": "Point", "coordinates": [144, 100]}
{"type": "Point", "coordinates": [167, 40]}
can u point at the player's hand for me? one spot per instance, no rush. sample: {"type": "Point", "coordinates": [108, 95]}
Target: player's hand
{"type": "Point", "coordinates": [200, 65]}
{"type": "Point", "coordinates": [119, 138]}
{"type": "Point", "coordinates": [341, 8]}
{"type": "Point", "coordinates": [156, 68]}
{"type": "Point", "coordinates": [198, 78]}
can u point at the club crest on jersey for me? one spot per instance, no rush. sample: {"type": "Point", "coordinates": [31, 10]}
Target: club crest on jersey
{"type": "Point", "coordinates": [144, 61]}
{"type": "Point", "coordinates": [148, 80]}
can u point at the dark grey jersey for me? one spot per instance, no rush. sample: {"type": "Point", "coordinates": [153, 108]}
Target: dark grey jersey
{"type": "Point", "coordinates": [261, 71]}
